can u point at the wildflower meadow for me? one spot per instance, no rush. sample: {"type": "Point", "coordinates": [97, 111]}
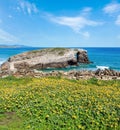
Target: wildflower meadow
{"type": "Point", "coordinates": [59, 104]}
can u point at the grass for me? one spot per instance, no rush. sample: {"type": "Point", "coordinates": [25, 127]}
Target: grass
{"type": "Point", "coordinates": [10, 121]}
{"type": "Point", "coordinates": [58, 51]}
{"type": "Point", "coordinates": [59, 104]}
{"type": "Point", "coordinates": [41, 52]}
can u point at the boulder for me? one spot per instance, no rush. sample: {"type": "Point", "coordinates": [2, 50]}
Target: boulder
{"type": "Point", "coordinates": [107, 72]}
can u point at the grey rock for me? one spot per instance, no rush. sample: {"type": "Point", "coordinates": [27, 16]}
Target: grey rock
{"type": "Point", "coordinates": [42, 59]}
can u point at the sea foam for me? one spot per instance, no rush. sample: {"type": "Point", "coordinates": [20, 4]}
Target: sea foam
{"type": "Point", "coordinates": [2, 61]}
{"type": "Point", "coordinates": [102, 67]}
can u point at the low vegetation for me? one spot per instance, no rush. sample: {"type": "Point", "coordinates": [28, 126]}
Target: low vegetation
{"type": "Point", "coordinates": [59, 104]}
{"type": "Point", "coordinates": [58, 51]}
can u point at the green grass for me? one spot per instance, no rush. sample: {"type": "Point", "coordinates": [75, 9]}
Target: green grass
{"type": "Point", "coordinates": [10, 121]}
{"type": "Point", "coordinates": [55, 103]}
{"type": "Point", "coordinates": [59, 51]}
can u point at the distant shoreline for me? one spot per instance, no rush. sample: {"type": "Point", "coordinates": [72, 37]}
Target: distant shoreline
{"type": "Point", "coordinates": [13, 46]}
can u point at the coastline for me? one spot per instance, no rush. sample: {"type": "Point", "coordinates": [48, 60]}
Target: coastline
{"type": "Point", "coordinates": [33, 64]}
{"type": "Point", "coordinates": [108, 57]}
{"type": "Point", "coordinates": [106, 74]}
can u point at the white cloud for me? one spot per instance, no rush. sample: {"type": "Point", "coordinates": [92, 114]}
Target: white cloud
{"type": "Point", "coordinates": [87, 9]}
{"type": "Point", "coordinates": [112, 8]}
{"type": "Point", "coordinates": [27, 7]}
{"type": "Point", "coordinates": [75, 23]}
{"type": "Point", "coordinates": [117, 22]}
{"type": "Point", "coordinates": [7, 37]}
{"type": "Point", "coordinates": [86, 34]}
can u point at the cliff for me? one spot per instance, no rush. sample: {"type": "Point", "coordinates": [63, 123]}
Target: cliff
{"type": "Point", "coordinates": [41, 59]}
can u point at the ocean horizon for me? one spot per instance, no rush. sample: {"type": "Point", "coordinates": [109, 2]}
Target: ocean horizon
{"type": "Point", "coordinates": [108, 57]}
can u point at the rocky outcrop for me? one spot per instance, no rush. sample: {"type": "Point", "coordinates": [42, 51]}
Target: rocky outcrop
{"type": "Point", "coordinates": [77, 75]}
{"type": "Point", "coordinates": [107, 73]}
{"type": "Point", "coordinates": [82, 57]}
{"type": "Point", "coordinates": [30, 64]}
{"type": "Point", "coordinates": [41, 59]}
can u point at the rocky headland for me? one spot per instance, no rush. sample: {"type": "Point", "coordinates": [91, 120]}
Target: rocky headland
{"type": "Point", "coordinates": [33, 62]}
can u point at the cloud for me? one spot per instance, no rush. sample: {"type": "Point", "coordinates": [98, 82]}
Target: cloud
{"type": "Point", "coordinates": [75, 23]}
{"type": "Point", "coordinates": [27, 7]}
{"type": "Point", "coordinates": [7, 37]}
{"type": "Point", "coordinates": [117, 22]}
{"type": "Point", "coordinates": [86, 34]}
{"type": "Point", "coordinates": [87, 10]}
{"type": "Point", "coordinates": [112, 8]}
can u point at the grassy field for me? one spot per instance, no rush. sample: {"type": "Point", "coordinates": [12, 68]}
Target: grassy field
{"type": "Point", "coordinates": [59, 104]}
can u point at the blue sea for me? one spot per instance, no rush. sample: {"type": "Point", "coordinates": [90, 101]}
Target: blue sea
{"type": "Point", "coordinates": [103, 57]}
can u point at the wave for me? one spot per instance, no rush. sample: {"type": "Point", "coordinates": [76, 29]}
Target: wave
{"type": "Point", "coordinates": [102, 67]}
{"type": "Point", "coordinates": [1, 61]}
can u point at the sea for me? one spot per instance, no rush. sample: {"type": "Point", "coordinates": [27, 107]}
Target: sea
{"type": "Point", "coordinates": [101, 57]}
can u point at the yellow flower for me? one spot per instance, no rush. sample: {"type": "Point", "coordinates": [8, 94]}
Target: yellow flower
{"type": "Point", "coordinates": [80, 127]}
{"type": "Point", "coordinates": [28, 127]}
{"type": "Point", "coordinates": [74, 117]}
{"type": "Point", "coordinates": [47, 116]}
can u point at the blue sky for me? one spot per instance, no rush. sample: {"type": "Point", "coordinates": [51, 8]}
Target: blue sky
{"type": "Point", "coordinates": [60, 23]}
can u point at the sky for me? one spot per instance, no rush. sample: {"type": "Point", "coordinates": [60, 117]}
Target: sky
{"type": "Point", "coordinates": [60, 23]}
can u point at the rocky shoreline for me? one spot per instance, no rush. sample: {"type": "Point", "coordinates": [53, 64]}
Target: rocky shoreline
{"type": "Point", "coordinates": [106, 74]}
{"type": "Point", "coordinates": [28, 64]}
